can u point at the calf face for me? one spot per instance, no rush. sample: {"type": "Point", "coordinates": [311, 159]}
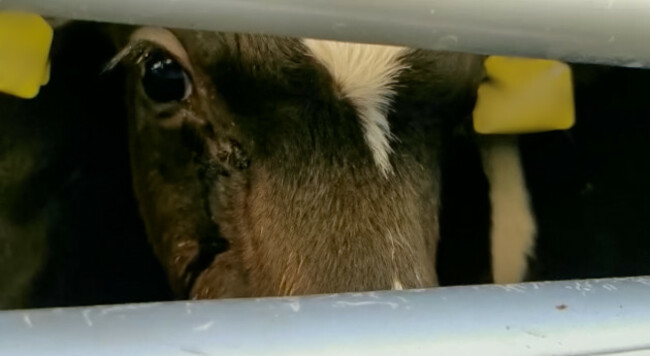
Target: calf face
{"type": "Point", "coordinates": [277, 166]}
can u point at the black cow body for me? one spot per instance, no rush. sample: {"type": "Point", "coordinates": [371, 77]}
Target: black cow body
{"type": "Point", "coordinates": [587, 188]}
{"type": "Point", "coordinates": [589, 185]}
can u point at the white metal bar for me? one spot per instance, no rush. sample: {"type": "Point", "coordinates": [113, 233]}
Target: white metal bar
{"type": "Point", "coordinates": [598, 31]}
{"type": "Point", "coordinates": [603, 317]}
{"type": "Point", "coordinates": [598, 317]}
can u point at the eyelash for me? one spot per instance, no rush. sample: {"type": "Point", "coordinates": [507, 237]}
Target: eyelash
{"type": "Point", "coordinates": [135, 53]}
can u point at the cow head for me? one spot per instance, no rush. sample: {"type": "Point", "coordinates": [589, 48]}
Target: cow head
{"type": "Point", "coordinates": [279, 166]}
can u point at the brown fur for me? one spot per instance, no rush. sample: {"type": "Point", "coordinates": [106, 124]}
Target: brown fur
{"type": "Point", "coordinates": [266, 160]}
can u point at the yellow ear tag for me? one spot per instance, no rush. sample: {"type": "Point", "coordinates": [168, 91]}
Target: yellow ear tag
{"type": "Point", "coordinates": [25, 41]}
{"type": "Point", "coordinates": [524, 96]}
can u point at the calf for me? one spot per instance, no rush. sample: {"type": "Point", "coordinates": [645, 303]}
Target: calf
{"type": "Point", "coordinates": [568, 204]}
{"type": "Point", "coordinates": [276, 166]}
{"type": "Point", "coordinates": [589, 184]}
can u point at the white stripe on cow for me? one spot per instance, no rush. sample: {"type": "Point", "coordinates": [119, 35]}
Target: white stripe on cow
{"type": "Point", "coordinates": [365, 74]}
{"type": "Point", "coordinates": [513, 229]}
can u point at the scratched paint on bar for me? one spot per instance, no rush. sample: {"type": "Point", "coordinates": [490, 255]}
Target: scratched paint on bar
{"type": "Point", "coordinates": [560, 318]}
{"type": "Point", "coordinates": [577, 317]}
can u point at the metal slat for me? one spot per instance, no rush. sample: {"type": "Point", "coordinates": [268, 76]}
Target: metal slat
{"type": "Point", "coordinates": [603, 317]}
{"type": "Point", "coordinates": [598, 31]}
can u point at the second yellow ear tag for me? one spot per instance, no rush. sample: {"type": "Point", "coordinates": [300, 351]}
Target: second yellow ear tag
{"type": "Point", "coordinates": [25, 41]}
{"type": "Point", "coordinates": [524, 96]}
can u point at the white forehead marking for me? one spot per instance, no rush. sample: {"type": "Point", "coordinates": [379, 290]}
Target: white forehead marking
{"type": "Point", "coordinates": [165, 39]}
{"type": "Point", "coordinates": [365, 74]}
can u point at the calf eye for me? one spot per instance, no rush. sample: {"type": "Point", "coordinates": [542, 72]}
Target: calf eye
{"type": "Point", "coordinates": [164, 79]}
